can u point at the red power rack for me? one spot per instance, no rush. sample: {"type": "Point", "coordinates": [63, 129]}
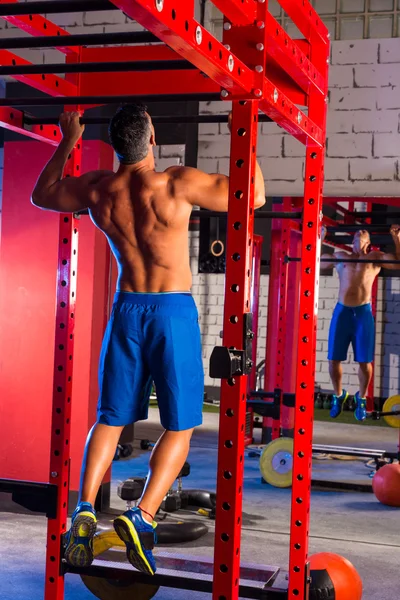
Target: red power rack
{"type": "Point", "coordinates": [259, 67]}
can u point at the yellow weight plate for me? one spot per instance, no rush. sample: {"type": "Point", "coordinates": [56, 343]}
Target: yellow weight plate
{"type": "Point", "coordinates": [115, 589]}
{"type": "Point", "coordinates": [276, 462]}
{"type": "Point", "coordinates": [392, 404]}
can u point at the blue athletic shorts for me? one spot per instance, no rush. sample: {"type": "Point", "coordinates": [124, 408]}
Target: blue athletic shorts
{"type": "Point", "coordinates": [352, 325]}
{"type": "Point", "coordinates": [152, 337]}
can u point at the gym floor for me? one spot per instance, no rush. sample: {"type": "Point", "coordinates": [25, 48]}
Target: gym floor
{"type": "Point", "coordinates": [352, 524]}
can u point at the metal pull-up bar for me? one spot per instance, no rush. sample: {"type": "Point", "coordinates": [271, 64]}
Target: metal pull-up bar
{"type": "Point", "coordinates": [157, 120]}
{"type": "Point", "coordinates": [98, 67]}
{"type": "Point", "coordinates": [12, 9]}
{"type": "Point", "coordinates": [74, 100]}
{"type": "Point", "coordinates": [79, 39]}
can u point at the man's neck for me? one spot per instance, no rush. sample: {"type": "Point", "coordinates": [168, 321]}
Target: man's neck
{"type": "Point", "coordinates": [147, 164]}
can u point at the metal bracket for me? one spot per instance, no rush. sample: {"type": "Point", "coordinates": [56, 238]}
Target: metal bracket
{"type": "Point", "coordinates": [228, 362]}
{"type": "Point", "coordinates": [37, 497]}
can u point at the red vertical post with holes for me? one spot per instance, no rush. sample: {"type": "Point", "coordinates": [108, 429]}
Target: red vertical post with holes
{"type": "Point", "coordinates": [306, 346]}
{"type": "Point", "coordinates": [234, 391]}
{"type": "Point", "coordinates": [254, 308]}
{"type": "Point", "coordinates": [374, 304]}
{"type": "Point", "coordinates": [276, 320]}
{"type": "Point", "coordinates": [62, 380]}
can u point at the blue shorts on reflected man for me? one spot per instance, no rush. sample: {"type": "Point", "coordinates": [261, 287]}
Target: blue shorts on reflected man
{"type": "Point", "coordinates": [152, 337]}
{"type": "Point", "coordinates": [353, 325]}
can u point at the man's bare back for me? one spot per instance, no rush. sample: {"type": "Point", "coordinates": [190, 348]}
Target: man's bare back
{"type": "Point", "coordinates": [144, 214]}
{"type": "Point", "coordinates": [147, 228]}
{"type": "Point", "coordinates": [356, 279]}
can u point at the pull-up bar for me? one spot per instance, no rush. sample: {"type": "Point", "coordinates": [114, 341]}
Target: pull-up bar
{"type": "Point", "coordinates": [74, 100]}
{"type": "Point", "coordinates": [98, 67]}
{"type": "Point", "coordinates": [375, 213]}
{"type": "Point", "coordinates": [54, 7]}
{"type": "Point", "coordinates": [378, 261]}
{"type": "Point", "coordinates": [79, 39]}
{"type": "Point", "coordinates": [378, 239]}
{"type": "Point", "coordinates": [158, 120]}
{"type": "Point", "coordinates": [358, 227]}
{"type": "Point", "coordinates": [207, 214]}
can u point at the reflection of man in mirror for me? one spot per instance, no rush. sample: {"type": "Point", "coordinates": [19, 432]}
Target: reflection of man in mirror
{"type": "Point", "coordinates": [352, 320]}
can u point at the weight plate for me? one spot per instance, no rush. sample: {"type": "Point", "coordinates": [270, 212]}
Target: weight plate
{"type": "Point", "coordinates": [119, 589]}
{"type": "Point", "coordinates": [276, 462]}
{"type": "Point", "coordinates": [115, 589]}
{"type": "Point", "coordinates": [392, 404]}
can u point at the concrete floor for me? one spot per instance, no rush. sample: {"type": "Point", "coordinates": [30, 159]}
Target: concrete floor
{"type": "Point", "coordinates": [348, 523]}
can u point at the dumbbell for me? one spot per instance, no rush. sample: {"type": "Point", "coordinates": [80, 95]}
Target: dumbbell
{"type": "Point", "coordinates": [131, 489]}
{"type": "Point", "coordinates": [146, 444]}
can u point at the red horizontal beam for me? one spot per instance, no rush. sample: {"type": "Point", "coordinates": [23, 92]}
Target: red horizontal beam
{"type": "Point", "coordinates": [282, 110]}
{"type": "Point", "coordinates": [291, 58]}
{"type": "Point", "coordinates": [178, 29]}
{"type": "Point", "coordinates": [49, 84]}
{"type": "Point", "coordinates": [128, 53]}
{"type": "Point", "coordinates": [13, 119]}
{"type": "Point", "coordinates": [306, 19]}
{"type": "Point", "coordinates": [37, 25]}
{"type": "Point", "coordinates": [144, 83]}
{"type": "Point", "coordinates": [240, 12]}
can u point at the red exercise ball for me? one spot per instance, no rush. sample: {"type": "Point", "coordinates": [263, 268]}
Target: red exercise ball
{"type": "Point", "coordinates": [333, 571]}
{"type": "Point", "coordinates": [386, 484]}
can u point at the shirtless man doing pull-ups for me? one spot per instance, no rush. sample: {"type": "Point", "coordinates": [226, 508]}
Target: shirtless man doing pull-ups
{"type": "Point", "coordinates": [352, 320]}
{"type": "Point", "coordinates": [153, 332]}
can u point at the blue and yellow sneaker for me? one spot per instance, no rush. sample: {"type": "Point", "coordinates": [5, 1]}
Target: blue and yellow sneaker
{"type": "Point", "coordinates": [79, 538]}
{"type": "Point", "coordinates": [139, 538]}
{"type": "Point", "coordinates": [361, 407]}
{"type": "Point", "coordinates": [337, 404]}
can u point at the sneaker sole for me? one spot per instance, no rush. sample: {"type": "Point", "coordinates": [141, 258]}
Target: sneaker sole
{"type": "Point", "coordinates": [134, 552]}
{"type": "Point", "coordinates": [79, 552]}
{"type": "Point", "coordinates": [341, 407]}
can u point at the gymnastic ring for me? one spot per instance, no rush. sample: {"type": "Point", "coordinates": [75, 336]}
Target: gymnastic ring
{"type": "Point", "coordinates": [215, 252]}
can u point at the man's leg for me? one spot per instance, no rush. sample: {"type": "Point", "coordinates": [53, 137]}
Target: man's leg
{"type": "Point", "coordinates": [364, 377]}
{"type": "Point", "coordinates": [364, 350]}
{"type": "Point", "coordinates": [100, 449]}
{"type": "Point", "coordinates": [336, 372]}
{"type": "Point", "coordinates": [166, 462]}
{"type": "Point", "coordinates": [99, 453]}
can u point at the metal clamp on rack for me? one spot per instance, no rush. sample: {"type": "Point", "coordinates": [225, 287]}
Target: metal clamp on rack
{"type": "Point", "coordinates": [227, 362]}
{"type": "Point", "coordinates": [263, 408]}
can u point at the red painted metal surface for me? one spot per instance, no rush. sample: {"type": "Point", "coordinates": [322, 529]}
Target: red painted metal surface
{"type": "Point", "coordinates": [374, 304]}
{"type": "Point", "coordinates": [13, 119]}
{"type": "Point", "coordinates": [310, 24]}
{"type": "Point", "coordinates": [280, 355]}
{"type": "Point", "coordinates": [291, 58]}
{"type": "Point", "coordinates": [254, 309]}
{"type": "Point", "coordinates": [37, 25]}
{"type": "Point", "coordinates": [60, 447]}
{"type": "Point", "coordinates": [176, 26]}
{"type": "Point", "coordinates": [49, 84]}
{"type": "Point", "coordinates": [233, 391]}
{"type": "Point", "coordinates": [306, 348]}
{"type": "Point", "coordinates": [240, 12]}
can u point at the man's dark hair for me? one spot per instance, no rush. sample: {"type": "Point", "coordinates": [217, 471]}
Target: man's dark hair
{"type": "Point", "coordinates": [130, 132]}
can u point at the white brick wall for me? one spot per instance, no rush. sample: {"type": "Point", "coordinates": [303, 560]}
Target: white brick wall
{"type": "Point", "coordinates": [363, 141]}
